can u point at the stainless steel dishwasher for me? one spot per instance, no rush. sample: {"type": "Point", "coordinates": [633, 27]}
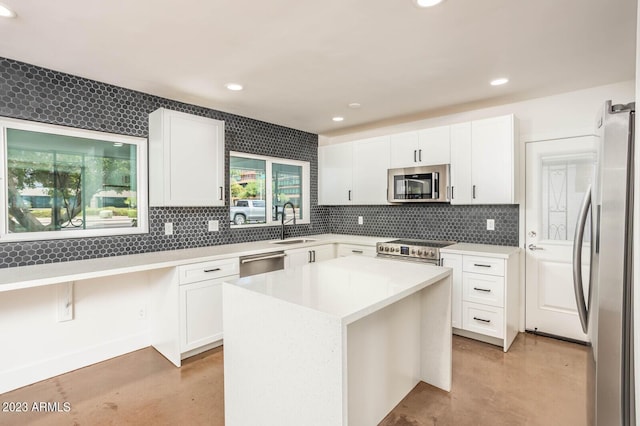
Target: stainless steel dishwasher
{"type": "Point", "coordinates": [261, 263]}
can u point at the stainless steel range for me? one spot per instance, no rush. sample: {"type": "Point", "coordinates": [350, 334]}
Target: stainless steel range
{"type": "Point", "coordinates": [416, 250]}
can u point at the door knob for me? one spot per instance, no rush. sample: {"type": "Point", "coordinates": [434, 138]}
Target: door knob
{"type": "Point", "coordinates": [534, 247]}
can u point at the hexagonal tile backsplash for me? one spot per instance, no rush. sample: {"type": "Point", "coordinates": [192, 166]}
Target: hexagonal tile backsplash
{"type": "Point", "coordinates": [32, 93]}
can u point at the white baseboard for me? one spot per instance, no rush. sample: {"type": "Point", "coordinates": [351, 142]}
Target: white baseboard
{"type": "Point", "coordinates": [28, 374]}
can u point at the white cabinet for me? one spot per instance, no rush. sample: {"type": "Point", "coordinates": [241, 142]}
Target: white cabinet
{"type": "Point", "coordinates": [299, 257]}
{"type": "Point", "coordinates": [493, 160]}
{"type": "Point", "coordinates": [485, 295]}
{"type": "Point", "coordinates": [186, 160]}
{"type": "Point", "coordinates": [356, 250]}
{"type": "Point", "coordinates": [454, 261]}
{"type": "Point", "coordinates": [483, 161]}
{"type": "Point", "coordinates": [370, 165]}
{"type": "Point", "coordinates": [353, 172]}
{"type": "Point", "coordinates": [421, 148]}
{"type": "Point", "coordinates": [460, 192]}
{"type": "Point", "coordinates": [186, 308]}
{"type": "Point", "coordinates": [335, 169]}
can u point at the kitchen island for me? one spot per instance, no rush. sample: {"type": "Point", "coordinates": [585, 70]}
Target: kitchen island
{"type": "Point", "coordinates": [334, 343]}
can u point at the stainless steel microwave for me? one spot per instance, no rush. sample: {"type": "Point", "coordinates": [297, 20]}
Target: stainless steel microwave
{"type": "Point", "coordinates": [418, 184]}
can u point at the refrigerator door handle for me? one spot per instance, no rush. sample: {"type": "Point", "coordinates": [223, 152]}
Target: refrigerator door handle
{"type": "Point", "coordinates": [577, 260]}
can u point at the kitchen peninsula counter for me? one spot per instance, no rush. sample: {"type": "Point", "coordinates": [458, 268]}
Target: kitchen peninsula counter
{"type": "Point", "coordinates": [338, 342]}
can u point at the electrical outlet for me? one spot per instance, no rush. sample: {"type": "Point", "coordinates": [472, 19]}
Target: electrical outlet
{"type": "Point", "coordinates": [491, 224]}
{"type": "Point", "coordinates": [168, 228]}
{"type": "Point", "coordinates": [214, 226]}
{"type": "Point", "coordinates": [142, 312]}
{"type": "Point", "coordinates": [360, 220]}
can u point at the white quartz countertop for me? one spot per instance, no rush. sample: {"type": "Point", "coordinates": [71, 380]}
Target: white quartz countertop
{"type": "Point", "coordinates": [55, 273]}
{"type": "Point", "coordinates": [348, 288]}
{"type": "Point", "coordinates": [486, 250]}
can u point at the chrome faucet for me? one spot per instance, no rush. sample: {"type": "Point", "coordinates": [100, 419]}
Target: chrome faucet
{"type": "Point", "coordinates": [284, 206]}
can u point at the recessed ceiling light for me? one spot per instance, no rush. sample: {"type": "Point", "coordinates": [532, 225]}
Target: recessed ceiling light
{"type": "Point", "coordinates": [5, 12]}
{"type": "Point", "coordinates": [118, 144]}
{"type": "Point", "coordinates": [354, 105]}
{"type": "Point", "coordinates": [338, 118]}
{"type": "Point", "coordinates": [499, 81]}
{"type": "Point", "coordinates": [427, 3]}
{"type": "Point", "coordinates": [234, 86]}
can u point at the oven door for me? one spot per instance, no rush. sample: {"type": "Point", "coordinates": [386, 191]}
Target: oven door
{"type": "Point", "coordinates": [418, 184]}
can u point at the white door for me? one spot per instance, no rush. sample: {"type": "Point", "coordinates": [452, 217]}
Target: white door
{"type": "Point", "coordinates": [434, 146]}
{"type": "Point", "coordinates": [370, 165]}
{"type": "Point", "coordinates": [558, 173]}
{"type": "Point", "coordinates": [335, 164]}
{"type": "Point", "coordinates": [404, 150]}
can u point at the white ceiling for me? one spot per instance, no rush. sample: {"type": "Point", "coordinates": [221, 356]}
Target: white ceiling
{"type": "Point", "coordinates": [302, 62]}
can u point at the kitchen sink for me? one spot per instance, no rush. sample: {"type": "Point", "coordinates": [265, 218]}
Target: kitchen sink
{"type": "Point", "coordinates": [294, 241]}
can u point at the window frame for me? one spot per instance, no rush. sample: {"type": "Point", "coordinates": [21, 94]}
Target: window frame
{"type": "Point", "coordinates": [305, 185]}
{"type": "Point", "coordinates": [142, 192]}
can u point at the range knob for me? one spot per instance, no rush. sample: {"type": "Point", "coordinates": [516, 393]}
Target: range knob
{"type": "Point", "coordinates": [432, 253]}
{"type": "Point", "coordinates": [386, 249]}
{"type": "Point", "coordinates": [419, 252]}
{"type": "Point", "coordinates": [413, 252]}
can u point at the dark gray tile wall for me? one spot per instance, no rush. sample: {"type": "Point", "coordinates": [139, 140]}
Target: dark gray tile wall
{"type": "Point", "coordinates": [32, 93]}
{"type": "Point", "coordinates": [430, 221]}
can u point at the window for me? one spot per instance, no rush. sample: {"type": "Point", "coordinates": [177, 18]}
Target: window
{"type": "Point", "coordinates": [265, 184]}
{"type": "Point", "coordinates": [65, 183]}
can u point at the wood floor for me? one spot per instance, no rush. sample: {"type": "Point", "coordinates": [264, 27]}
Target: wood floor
{"type": "Point", "coordinates": [540, 381]}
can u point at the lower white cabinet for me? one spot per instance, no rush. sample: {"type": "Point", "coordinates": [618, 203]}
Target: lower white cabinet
{"type": "Point", "coordinates": [299, 257]}
{"type": "Point", "coordinates": [355, 250]}
{"type": "Point", "coordinates": [485, 295]}
{"type": "Point", "coordinates": [186, 307]}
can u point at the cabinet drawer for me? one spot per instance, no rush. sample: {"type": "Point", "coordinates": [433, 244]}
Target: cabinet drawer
{"type": "Point", "coordinates": [483, 265]}
{"type": "Point", "coordinates": [481, 288]}
{"type": "Point", "coordinates": [207, 270]}
{"type": "Point", "coordinates": [483, 319]}
{"type": "Point", "coordinates": [353, 249]}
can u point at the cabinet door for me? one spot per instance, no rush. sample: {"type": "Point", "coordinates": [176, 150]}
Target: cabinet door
{"type": "Point", "coordinates": [335, 165]}
{"type": "Point", "coordinates": [200, 313]}
{"type": "Point", "coordinates": [186, 160]}
{"type": "Point", "coordinates": [454, 261]}
{"type": "Point", "coordinates": [460, 191]}
{"type": "Point", "coordinates": [492, 153]}
{"type": "Point", "coordinates": [434, 146]}
{"type": "Point", "coordinates": [370, 165]}
{"type": "Point", "coordinates": [325, 252]}
{"type": "Point", "coordinates": [296, 258]}
{"type": "Point", "coordinates": [404, 150]}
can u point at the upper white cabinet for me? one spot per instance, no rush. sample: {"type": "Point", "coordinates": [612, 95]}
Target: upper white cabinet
{"type": "Point", "coordinates": [335, 168]}
{"type": "Point", "coordinates": [353, 172]}
{"type": "Point", "coordinates": [186, 160]}
{"type": "Point", "coordinates": [421, 148]}
{"type": "Point", "coordinates": [483, 161]}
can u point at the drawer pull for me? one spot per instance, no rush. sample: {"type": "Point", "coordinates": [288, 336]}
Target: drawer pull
{"type": "Point", "coordinates": [482, 265]}
{"type": "Point", "coordinates": [357, 251]}
{"type": "Point", "coordinates": [481, 319]}
{"type": "Point", "coordinates": [212, 270]}
{"type": "Point", "coordinates": [486, 290]}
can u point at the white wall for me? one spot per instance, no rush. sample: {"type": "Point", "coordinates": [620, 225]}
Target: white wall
{"type": "Point", "coordinates": [106, 324]}
{"type": "Point", "coordinates": [636, 238]}
{"type": "Point", "coordinates": [563, 115]}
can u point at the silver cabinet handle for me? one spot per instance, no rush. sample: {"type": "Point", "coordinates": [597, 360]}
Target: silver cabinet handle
{"type": "Point", "coordinates": [486, 290]}
{"type": "Point", "coordinates": [349, 195]}
{"type": "Point", "coordinates": [534, 247]}
{"type": "Point", "coordinates": [482, 265]}
{"type": "Point", "coordinates": [474, 192]}
{"type": "Point", "coordinates": [313, 254]}
{"type": "Point", "coordinates": [221, 193]}
{"type": "Point", "coordinates": [577, 260]}
{"type": "Point", "coordinates": [481, 319]}
{"type": "Point", "coordinates": [357, 251]}
{"type": "Point", "coordinates": [448, 192]}
{"type": "Point", "coordinates": [414, 156]}
{"type": "Point", "coordinates": [212, 270]}
{"type": "Point", "coordinates": [309, 256]}
{"type": "Point", "coordinates": [256, 259]}
{"type": "Point", "coordinates": [419, 155]}
{"type": "Point", "coordinates": [452, 196]}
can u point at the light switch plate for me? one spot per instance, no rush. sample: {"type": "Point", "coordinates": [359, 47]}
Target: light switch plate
{"type": "Point", "coordinates": [491, 224]}
{"type": "Point", "coordinates": [214, 226]}
{"type": "Point", "coordinates": [360, 220]}
{"type": "Point", "coordinates": [168, 228]}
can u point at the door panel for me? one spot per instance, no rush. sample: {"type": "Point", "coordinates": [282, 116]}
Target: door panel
{"type": "Point", "coordinates": [558, 173]}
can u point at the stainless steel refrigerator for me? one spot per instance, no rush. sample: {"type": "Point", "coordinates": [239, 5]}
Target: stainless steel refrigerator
{"type": "Point", "coordinates": [606, 312]}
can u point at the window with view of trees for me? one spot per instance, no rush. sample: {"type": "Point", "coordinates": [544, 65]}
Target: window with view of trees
{"type": "Point", "coordinates": [266, 184]}
{"type": "Point", "coordinates": [63, 183]}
